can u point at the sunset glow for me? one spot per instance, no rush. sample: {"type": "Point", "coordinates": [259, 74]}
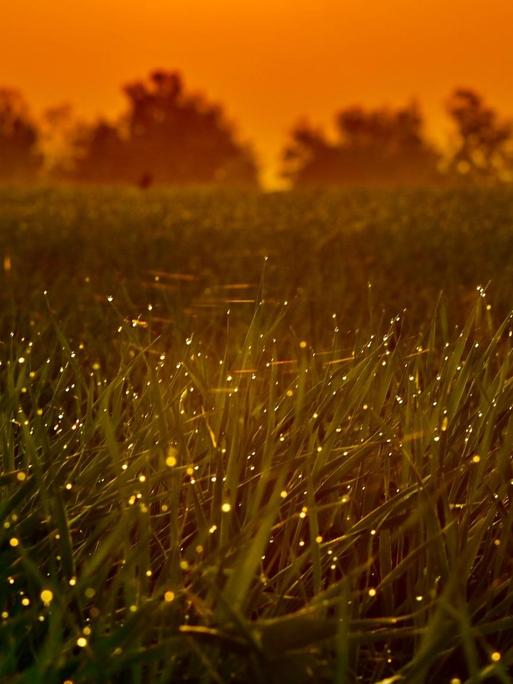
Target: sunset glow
{"type": "Point", "coordinates": [270, 63]}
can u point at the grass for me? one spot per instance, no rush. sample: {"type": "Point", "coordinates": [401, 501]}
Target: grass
{"type": "Point", "coordinates": [219, 467]}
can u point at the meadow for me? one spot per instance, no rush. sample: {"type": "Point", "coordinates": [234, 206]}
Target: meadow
{"type": "Point", "coordinates": [256, 438]}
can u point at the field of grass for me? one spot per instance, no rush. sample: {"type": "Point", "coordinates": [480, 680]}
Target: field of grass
{"type": "Point", "coordinates": [247, 439]}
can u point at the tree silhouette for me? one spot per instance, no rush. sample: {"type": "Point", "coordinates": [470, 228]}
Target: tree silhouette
{"type": "Point", "coordinates": [483, 150]}
{"type": "Point", "coordinates": [376, 147]}
{"type": "Point", "coordinates": [19, 156]}
{"type": "Point", "coordinates": [166, 136]}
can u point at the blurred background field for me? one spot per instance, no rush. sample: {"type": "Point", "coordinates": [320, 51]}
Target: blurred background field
{"type": "Point", "coordinates": [244, 437]}
{"type": "Point", "coordinates": [192, 253]}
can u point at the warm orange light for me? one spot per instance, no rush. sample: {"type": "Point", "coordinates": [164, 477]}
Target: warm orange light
{"type": "Point", "coordinates": [270, 61]}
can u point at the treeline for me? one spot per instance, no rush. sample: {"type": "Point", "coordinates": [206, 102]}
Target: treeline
{"type": "Point", "coordinates": [167, 135]}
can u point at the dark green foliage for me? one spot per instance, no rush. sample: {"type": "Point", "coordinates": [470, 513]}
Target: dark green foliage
{"type": "Point", "coordinates": [321, 489]}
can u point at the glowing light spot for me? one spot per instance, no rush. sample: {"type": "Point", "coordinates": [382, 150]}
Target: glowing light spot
{"type": "Point", "coordinates": [169, 596]}
{"type": "Point", "coordinates": [226, 507]}
{"type": "Point", "coordinates": [81, 642]}
{"type": "Point", "coordinates": [318, 539]}
{"type": "Point", "coordinates": [13, 541]}
{"type": "Point", "coordinates": [476, 458]}
{"type": "Point", "coordinates": [303, 344]}
{"type": "Point", "coordinates": [21, 476]}
{"type": "Point", "coordinates": [25, 601]}
{"type": "Point", "coordinates": [46, 596]}
{"type": "Point", "coordinates": [495, 656]}
{"type": "Point", "coordinates": [96, 366]}
{"type": "Point", "coordinates": [283, 493]}
{"type": "Point", "coordinates": [445, 423]}
{"type": "Point", "coordinates": [372, 592]}
{"type": "Point", "coordinates": [171, 459]}
{"type": "Point", "coordinates": [184, 565]}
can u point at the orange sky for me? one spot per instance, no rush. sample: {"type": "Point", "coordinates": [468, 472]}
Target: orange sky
{"type": "Point", "coordinates": [269, 61]}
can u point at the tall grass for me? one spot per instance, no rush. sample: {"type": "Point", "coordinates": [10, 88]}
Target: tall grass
{"type": "Point", "coordinates": [254, 496]}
